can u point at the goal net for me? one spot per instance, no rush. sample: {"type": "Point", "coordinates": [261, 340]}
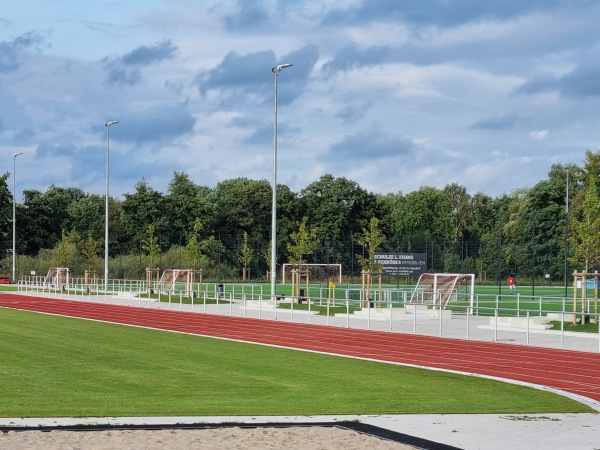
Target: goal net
{"type": "Point", "coordinates": [443, 288]}
{"type": "Point", "coordinates": [57, 277]}
{"type": "Point", "coordinates": [317, 272]}
{"type": "Point", "coordinates": [179, 280]}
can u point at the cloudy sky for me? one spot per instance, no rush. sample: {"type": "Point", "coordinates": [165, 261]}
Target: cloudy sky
{"type": "Point", "coordinates": [392, 94]}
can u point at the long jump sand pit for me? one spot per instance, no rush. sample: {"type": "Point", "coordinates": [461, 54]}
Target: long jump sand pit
{"type": "Point", "coordinates": [306, 438]}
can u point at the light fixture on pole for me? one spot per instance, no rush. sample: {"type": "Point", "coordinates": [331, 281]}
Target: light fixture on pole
{"type": "Point", "coordinates": [14, 234]}
{"type": "Point", "coordinates": [107, 125]}
{"type": "Point", "coordinates": [276, 71]}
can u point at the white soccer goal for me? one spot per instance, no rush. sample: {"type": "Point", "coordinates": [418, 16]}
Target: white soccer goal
{"type": "Point", "coordinates": [443, 288]}
{"type": "Point", "coordinates": [317, 272]}
{"type": "Point", "coordinates": [57, 277]}
{"type": "Point", "coordinates": [180, 280]}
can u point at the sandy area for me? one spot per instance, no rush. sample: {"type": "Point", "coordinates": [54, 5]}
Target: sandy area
{"type": "Point", "coordinates": [306, 438]}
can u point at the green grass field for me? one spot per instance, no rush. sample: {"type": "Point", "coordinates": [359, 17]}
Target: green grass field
{"type": "Point", "coordinates": [62, 367]}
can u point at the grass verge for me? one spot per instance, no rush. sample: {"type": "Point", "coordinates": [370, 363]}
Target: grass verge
{"type": "Point", "coordinates": [568, 326]}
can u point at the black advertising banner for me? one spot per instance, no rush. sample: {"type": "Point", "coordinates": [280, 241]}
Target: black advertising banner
{"type": "Point", "coordinates": [402, 264]}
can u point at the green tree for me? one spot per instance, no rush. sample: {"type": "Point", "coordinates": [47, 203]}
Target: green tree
{"type": "Point", "coordinates": [87, 216]}
{"type": "Point", "coordinates": [266, 255]}
{"type": "Point", "coordinates": [339, 208]}
{"type": "Point", "coordinates": [302, 242]}
{"type": "Point", "coordinates": [585, 231]}
{"type": "Point", "coordinates": [483, 214]}
{"type": "Point", "coordinates": [246, 256]}
{"type": "Point", "coordinates": [45, 215]}
{"type": "Point", "coordinates": [460, 202]}
{"type": "Point", "coordinates": [139, 210]}
{"type": "Point", "coordinates": [592, 166]}
{"type": "Point", "coordinates": [5, 212]}
{"type": "Point", "coordinates": [390, 207]}
{"type": "Point", "coordinates": [191, 255]}
{"type": "Point", "coordinates": [185, 202]}
{"type": "Point", "coordinates": [150, 247]}
{"type": "Point", "coordinates": [66, 251]}
{"type": "Point", "coordinates": [426, 212]}
{"type": "Point", "coordinates": [90, 249]}
{"type": "Point", "coordinates": [288, 216]}
{"type": "Point", "coordinates": [371, 239]}
{"type": "Point", "coordinates": [545, 222]}
{"type": "Point", "coordinates": [214, 258]}
{"type": "Point", "coordinates": [516, 238]}
{"type": "Point", "coordinates": [244, 205]}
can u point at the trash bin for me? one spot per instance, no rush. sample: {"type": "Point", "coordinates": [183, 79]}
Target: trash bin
{"type": "Point", "coordinates": [301, 297]}
{"type": "Point", "coordinates": [220, 290]}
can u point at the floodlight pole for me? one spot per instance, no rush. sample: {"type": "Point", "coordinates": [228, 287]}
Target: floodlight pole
{"type": "Point", "coordinates": [567, 234]}
{"type": "Point", "coordinates": [276, 71]}
{"type": "Point", "coordinates": [107, 125]}
{"type": "Point", "coordinates": [14, 221]}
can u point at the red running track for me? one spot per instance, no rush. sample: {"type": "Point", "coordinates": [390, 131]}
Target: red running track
{"type": "Point", "coordinates": [571, 371]}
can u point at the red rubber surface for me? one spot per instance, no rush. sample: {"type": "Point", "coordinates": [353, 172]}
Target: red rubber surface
{"type": "Point", "coordinates": [571, 371]}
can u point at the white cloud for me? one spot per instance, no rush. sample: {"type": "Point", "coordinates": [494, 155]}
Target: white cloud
{"type": "Point", "coordinates": [465, 88]}
{"type": "Point", "coordinates": [539, 135]}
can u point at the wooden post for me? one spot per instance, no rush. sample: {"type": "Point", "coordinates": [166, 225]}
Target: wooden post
{"type": "Point", "coordinates": [295, 282]}
{"type": "Point", "coordinates": [297, 276]}
{"type": "Point", "coordinates": [150, 278]}
{"type": "Point", "coordinates": [90, 277]}
{"type": "Point", "coordinates": [365, 292]}
{"type": "Point", "coordinates": [306, 275]}
{"type": "Point", "coordinates": [378, 277]}
{"type": "Point", "coordinates": [583, 297]}
{"type": "Point", "coordinates": [575, 278]}
{"type": "Point", "coordinates": [582, 276]}
{"type": "Point", "coordinates": [596, 296]}
{"type": "Point", "coordinates": [367, 283]}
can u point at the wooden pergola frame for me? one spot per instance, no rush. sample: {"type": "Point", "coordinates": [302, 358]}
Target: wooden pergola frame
{"type": "Point", "coordinates": [583, 276]}
{"type": "Point", "coordinates": [298, 275]}
{"type": "Point", "coordinates": [89, 276]}
{"type": "Point", "coordinates": [151, 273]}
{"type": "Point", "coordinates": [367, 283]}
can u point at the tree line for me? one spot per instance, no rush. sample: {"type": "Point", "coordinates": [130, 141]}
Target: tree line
{"type": "Point", "coordinates": [225, 230]}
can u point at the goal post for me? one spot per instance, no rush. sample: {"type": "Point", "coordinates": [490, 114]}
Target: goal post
{"type": "Point", "coordinates": [317, 272]}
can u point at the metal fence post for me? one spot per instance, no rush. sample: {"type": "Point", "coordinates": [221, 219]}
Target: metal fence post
{"type": "Point", "coordinates": [562, 328]}
{"type": "Point", "coordinates": [347, 313]}
{"type": "Point", "coordinates": [527, 327]}
{"type": "Point", "coordinates": [496, 324]}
